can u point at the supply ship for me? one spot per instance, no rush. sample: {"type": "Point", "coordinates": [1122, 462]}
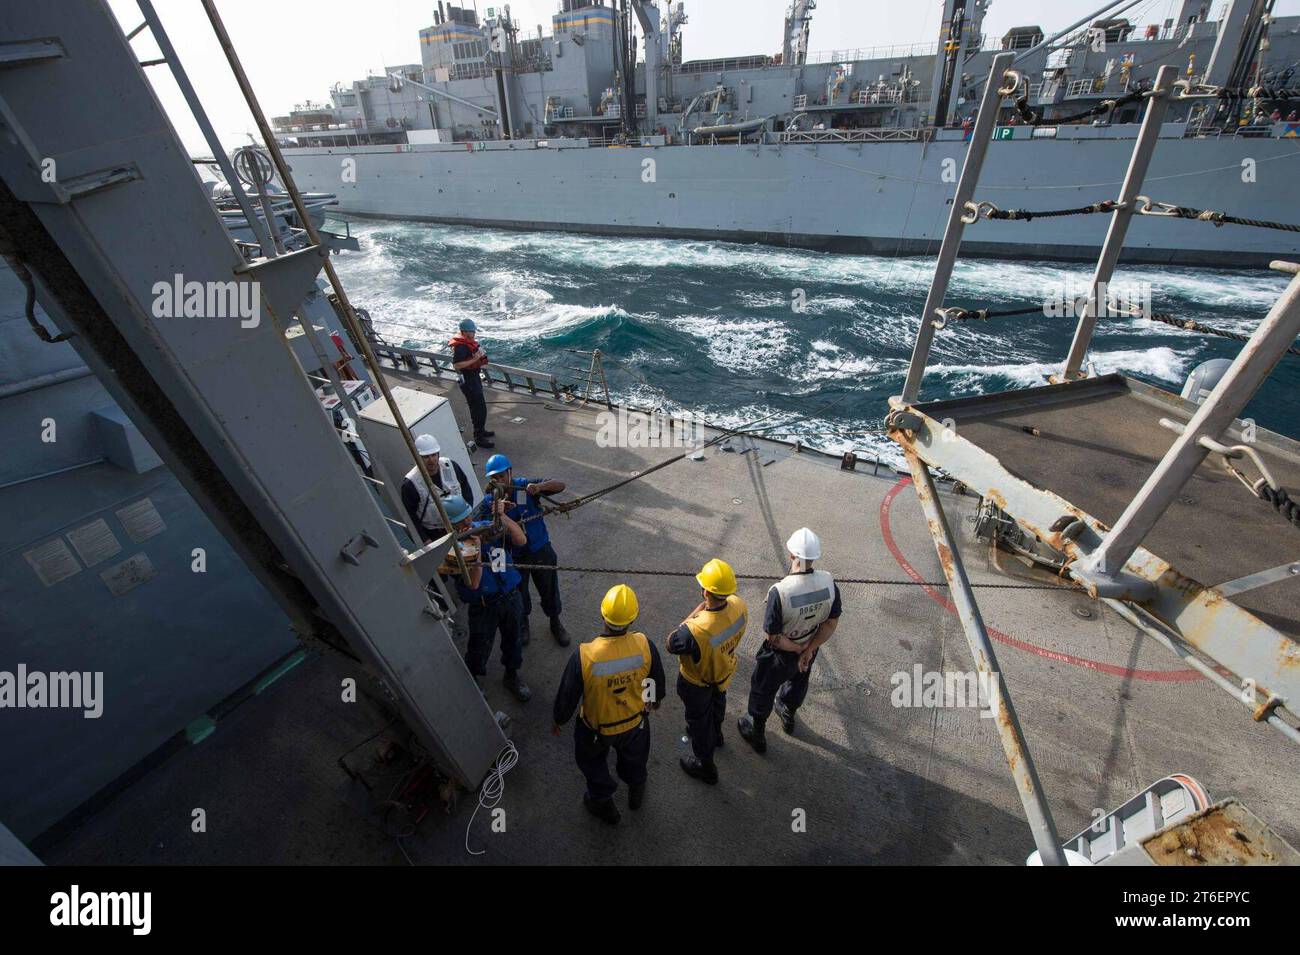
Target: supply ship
{"type": "Point", "coordinates": [602, 126]}
{"type": "Point", "coordinates": [279, 668]}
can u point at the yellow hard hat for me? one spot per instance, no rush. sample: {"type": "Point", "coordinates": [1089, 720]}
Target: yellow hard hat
{"type": "Point", "coordinates": [717, 577]}
{"type": "Point", "coordinates": [619, 608]}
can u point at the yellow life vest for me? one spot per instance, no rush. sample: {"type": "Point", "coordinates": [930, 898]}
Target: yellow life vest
{"type": "Point", "coordinates": [614, 671]}
{"type": "Point", "coordinates": [717, 633]}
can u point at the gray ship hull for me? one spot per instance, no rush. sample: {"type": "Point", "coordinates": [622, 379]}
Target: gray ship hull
{"type": "Point", "coordinates": [888, 198]}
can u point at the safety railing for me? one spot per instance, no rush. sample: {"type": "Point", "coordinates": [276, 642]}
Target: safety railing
{"type": "Point", "coordinates": [851, 136]}
{"type": "Point", "coordinates": [440, 363]}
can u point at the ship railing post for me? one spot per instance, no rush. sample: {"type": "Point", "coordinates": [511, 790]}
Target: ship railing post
{"type": "Point", "coordinates": [990, 104]}
{"type": "Point", "coordinates": [1254, 362]}
{"type": "Point", "coordinates": [997, 699]}
{"type": "Point", "coordinates": [1144, 148]}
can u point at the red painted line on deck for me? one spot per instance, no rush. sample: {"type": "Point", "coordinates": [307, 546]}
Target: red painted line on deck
{"type": "Point", "coordinates": [1160, 676]}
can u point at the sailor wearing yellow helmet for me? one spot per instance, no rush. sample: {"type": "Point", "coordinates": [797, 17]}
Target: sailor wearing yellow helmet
{"type": "Point", "coordinates": [705, 646]}
{"type": "Point", "coordinates": [616, 678]}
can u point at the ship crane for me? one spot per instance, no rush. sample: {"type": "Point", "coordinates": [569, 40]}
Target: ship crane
{"type": "Point", "coordinates": [798, 22]}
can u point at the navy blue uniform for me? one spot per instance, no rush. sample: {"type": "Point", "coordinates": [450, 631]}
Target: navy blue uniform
{"type": "Point", "coordinates": [536, 550]}
{"type": "Point", "coordinates": [494, 606]}
{"type": "Point", "coordinates": [471, 386]}
{"type": "Point", "coordinates": [776, 672]}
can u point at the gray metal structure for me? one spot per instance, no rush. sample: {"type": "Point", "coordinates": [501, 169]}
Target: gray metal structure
{"type": "Point", "coordinates": [224, 401]}
{"type": "Point", "coordinates": [848, 151]}
{"type": "Point", "coordinates": [1107, 561]}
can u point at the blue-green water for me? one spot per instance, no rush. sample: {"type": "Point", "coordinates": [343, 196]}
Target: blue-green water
{"type": "Point", "coordinates": [709, 326]}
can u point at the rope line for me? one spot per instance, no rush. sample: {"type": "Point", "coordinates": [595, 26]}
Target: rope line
{"type": "Point", "coordinates": [1031, 118]}
{"type": "Point", "coordinates": [877, 581]}
{"type": "Point", "coordinates": [1282, 503]}
{"type": "Point", "coordinates": [1024, 215]}
{"type": "Point", "coordinates": [1205, 215]}
{"type": "Point", "coordinates": [1191, 326]}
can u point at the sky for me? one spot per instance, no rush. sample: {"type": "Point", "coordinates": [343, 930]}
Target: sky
{"type": "Point", "coordinates": [295, 50]}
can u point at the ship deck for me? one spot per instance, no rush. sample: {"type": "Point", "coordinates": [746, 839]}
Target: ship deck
{"type": "Point", "coordinates": [1106, 711]}
{"type": "Point", "coordinates": [1095, 442]}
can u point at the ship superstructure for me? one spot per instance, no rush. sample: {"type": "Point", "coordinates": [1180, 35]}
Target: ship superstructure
{"type": "Point", "coordinates": [852, 149]}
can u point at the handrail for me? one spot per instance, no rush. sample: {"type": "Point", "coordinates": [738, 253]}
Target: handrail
{"type": "Point", "coordinates": [511, 377]}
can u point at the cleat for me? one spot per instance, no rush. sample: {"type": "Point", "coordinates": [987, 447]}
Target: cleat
{"type": "Point", "coordinates": [558, 632]}
{"type": "Point", "coordinates": [752, 733]}
{"type": "Point", "coordinates": [635, 796]}
{"type": "Point", "coordinates": [705, 772]}
{"type": "Point", "coordinates": [602, 809]}
{"type": "Point", "coordinates": [516, 685]}
{"type": "Point", "coordinates": [787, 717]}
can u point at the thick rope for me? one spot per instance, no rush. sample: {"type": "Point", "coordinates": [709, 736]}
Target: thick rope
{"type": "Point", "coordinates": [1218, 218]}
{"type": "Point", "coordinates": [884, 582]}
{"type": "Point", "coordinates": [1031, 118]}
{"type": "Point", "coordinates": [1188, 325]}
{"type": "Point", "coordinates": [1025, 215]}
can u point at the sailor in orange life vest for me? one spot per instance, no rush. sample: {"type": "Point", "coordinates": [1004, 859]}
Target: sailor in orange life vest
{"type": "Point", "coordinates": [705, 646]}
{"type": "Point", "coordinates": [616, 678]}
{"type": "Point", "coordinates": [803, 610]}
{"type": "Point", "coordinates": [467, 357]}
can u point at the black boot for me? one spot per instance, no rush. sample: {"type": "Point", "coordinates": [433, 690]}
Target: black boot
{"type": "Point", "coordinates": [516, 685]}
{"type": "Point", "coordinates": [489, 434]}
{"type": "Point", "coordinates": [787, 717]}
{"type": "Point", "coordinates": [751, 731]}
{"type": "Point", "coordinates": [705, 772]}
{"type": "Point", "coordinates": [483, 441]}
{"type": "Point", "coordinates": [558, 632]}
{"type": "Point", "coordinates": [635, 796]}
{"type": "Point", "coordinates": [602, 809]}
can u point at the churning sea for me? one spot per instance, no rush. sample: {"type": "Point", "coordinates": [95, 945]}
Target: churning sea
{"type": "Point", "coordinates": [713, 328]}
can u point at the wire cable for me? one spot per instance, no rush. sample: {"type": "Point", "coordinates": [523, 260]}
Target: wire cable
{"type": "Point", "coordinates": [493, 788]}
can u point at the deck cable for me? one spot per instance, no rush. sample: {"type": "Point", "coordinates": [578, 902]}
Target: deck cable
{"type": "Point", "coordinates": [1031, 118]}
{"type": "Point", "coordinates": [1169, 210]}
{"type": "Point", "coordinates": [875, 581]}
{"type": "Point", "coordinates": [958, 314]}
{"type": "Point", "coordinates": [990, 211]}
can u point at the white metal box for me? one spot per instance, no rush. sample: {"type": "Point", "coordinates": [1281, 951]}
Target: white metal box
{"type": "Point", "coordinates": [423, 413]}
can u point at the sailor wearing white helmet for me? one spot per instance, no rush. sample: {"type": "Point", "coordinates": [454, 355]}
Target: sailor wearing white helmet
{"type": "Point", "coordinates": [447, 476]}
{"type": "Point", "coordinates": [803, 610]}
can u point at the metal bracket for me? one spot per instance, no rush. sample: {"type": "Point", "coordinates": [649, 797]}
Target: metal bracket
{"type": "Point", "coordinates": [29, 52]}
{"type": "Point", "coordinates": [356, 547]}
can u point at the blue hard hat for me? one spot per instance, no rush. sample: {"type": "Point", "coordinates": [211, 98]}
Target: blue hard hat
{"type": "Point", "coordinates": [496, 464]}
{"type": "Point", "coordinates": [467, 325]}
{"type": "Point", "coordinates": [457, 508]}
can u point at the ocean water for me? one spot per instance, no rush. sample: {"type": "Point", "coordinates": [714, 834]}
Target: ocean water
{"type": "Point", "coordinates": [711, 327]}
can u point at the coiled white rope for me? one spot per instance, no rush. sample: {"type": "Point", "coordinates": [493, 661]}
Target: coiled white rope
{"type": "Point", "coordinates": [493, 788]}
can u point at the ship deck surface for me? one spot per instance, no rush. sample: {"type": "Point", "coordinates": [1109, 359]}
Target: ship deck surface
{"type": "Point", "coordinates": [1097, 443]}
{"type": "Point", "coordinates": [1106, 711]}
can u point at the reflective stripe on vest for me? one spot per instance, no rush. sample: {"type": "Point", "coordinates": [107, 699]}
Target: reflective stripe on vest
{"type": "Point", "coordinates": [614, 671]}
{"type": "Point", "coordinates": [717, 634]}
{"type": "Point", "coordinates": [806, 601]}
{"type": "Point", "coordinates": [450, 486]}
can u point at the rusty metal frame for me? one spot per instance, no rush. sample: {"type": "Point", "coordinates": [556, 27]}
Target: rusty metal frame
{"type": "Point", "coordinates": [1183, 614]}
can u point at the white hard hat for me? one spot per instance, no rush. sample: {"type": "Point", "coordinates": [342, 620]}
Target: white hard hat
{"type": "Point", "coordinates": [427, 444]}
{"type": "Point", "coordinates": [804, 544]}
